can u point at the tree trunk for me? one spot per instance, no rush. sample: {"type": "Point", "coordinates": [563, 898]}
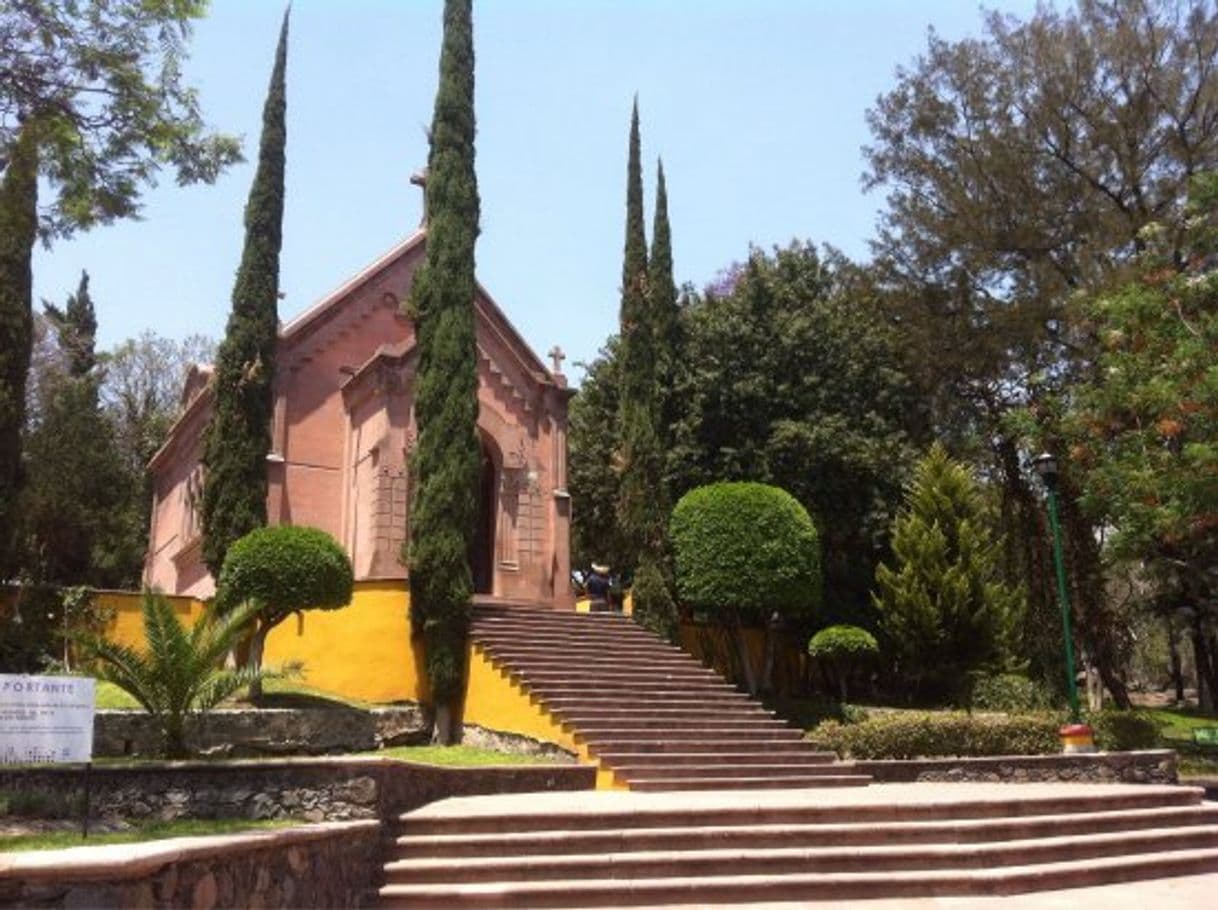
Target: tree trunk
{"type": "Point", "coordinates": [442, 730]}
{"type": "Point", "coordinates": [257, 643]}
{"type": "Point", "coordinates": [746, 661]}
{"type": "Point", "coordinates": [771, 646]}
{"type": "Point", "coordinates": [1205, 659]}
{"type": "Point", "coordinates": [1173, 651]}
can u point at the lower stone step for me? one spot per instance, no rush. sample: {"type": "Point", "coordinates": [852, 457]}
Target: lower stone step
{"type": "Point", "coordinates": [706, 837]}
{"type": "Point", "coordinates": [698, 890]}
{"type": "Point", "coordinates": [805, 757]}
{"type": "Point", "coordinates": [746, 781]}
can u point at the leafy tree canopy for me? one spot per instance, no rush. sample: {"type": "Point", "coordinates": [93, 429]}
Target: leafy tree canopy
{"type": "Point", "coordinates": [103, 80]}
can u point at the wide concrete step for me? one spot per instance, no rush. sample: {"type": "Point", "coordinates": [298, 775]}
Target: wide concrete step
{"type": "Point", "coordinates": [707, 837]}
{"type": "Point", "coordinates": [703, 744]}
{"type": "Point", "coordinates": [724, 779]}
{"type": "Point", "coordinates": [698, 890]}
{"type": "Point", "coordinates": [657, 713]}
{"type": "Point", "coordinates": [749, 766]}
{"type": "Point", "coordinates": [1081, 801]}
{"type": "Point", "coordinates": [585, 665]}
{"type": "Point", "coordinates": [757, 731]}
{"type": "Point", "coordinates": [797, 860]}
{"type": "Point", "coordinates": [692, 675]}
{"type": "Point", "coordinates": [705, 701]}
{"type": "Point", "coordinates": [575, 634]}
{"type": "Point", "coordinates": [626, 690]}
{"type": "Point", "coordinates": [623, 761]}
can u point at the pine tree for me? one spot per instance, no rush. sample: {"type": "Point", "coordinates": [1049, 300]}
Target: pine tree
{"type": "Point", "coordinates": [942, 604]}
{"type": "Point", "coordinates": [239, 435]}
{"type": "Point", "coordinates": [447, 460]}
{"type": "Point", "coordinates": [78, 516]}
{"type": "Point", "coordinates": [18, 229]}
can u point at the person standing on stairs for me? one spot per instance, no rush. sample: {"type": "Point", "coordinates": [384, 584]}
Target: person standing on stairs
{"type": "Point", "coordinates": [598, 588]}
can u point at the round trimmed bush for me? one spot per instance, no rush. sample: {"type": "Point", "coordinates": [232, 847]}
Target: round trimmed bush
{"type": "Point", "coordinates": [285, 568]}
{"type": "Point", "coordinates": [746, 549]}
{"type": "Point", "coordinates": [843, 644]}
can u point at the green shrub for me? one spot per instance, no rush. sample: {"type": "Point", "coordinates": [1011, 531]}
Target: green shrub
{"type": "Point", "coordinates": [910, 734]}
{"type": "Point", "coordinates": [283, 569]}
{"type": "Point", "coordinates": [653, 606]}
{"type": "Point", "coordinates": [806, 712]}
{"type": "Point", "coordinates": [843, 651]}
{"type": "Point", "coordinates": [1124, 731]}
{"type": "Point", "coordinates": [745, 548]}
{"type": "Point", "coordinates": [1009, 692]}
{"type": "Point", "coordinates": [745, 552]}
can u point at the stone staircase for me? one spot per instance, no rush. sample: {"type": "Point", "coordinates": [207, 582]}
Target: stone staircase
{"type": "Point", "coordinates": [645, 710]}
{"type": "Point", "coordinates": [613, 849]}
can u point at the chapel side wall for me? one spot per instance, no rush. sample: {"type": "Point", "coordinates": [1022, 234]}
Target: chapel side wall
{"type": "Point", "coordinates": [174, 562]}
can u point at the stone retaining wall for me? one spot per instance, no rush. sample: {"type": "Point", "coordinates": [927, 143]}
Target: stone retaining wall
{"type": "Point", "coordinates": [1156, 766]}
{"type": "Point", "coordinates": [313, 789]}
{"type": "Point", "coordinates": [329, 865]}
{"type": "Point", "coordinates": [255, 732]}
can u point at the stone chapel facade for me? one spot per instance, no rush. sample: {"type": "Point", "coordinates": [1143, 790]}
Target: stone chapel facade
{"type": "Point", "coordinates": [343, 429]}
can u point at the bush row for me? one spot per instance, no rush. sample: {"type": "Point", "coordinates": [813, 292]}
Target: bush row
{"type": "Point", "coordinates": [910, 734]}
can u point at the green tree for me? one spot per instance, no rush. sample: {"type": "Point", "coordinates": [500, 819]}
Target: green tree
{"type": "Point", "coordinates": [447, 459]}
{"type": "Point", "coordinates": [944, 609]}
{"type": "Point", "coordinates": [1143, 432]}
{"type": "Point", "coordinates": [104, 81]}
{"type": "Point", "coordinates": [178, 673]}
{"type": "Point", "coordinates": [77, 521]}
{"type": "Point", "coordinates": [282, 570]}
{"type": "Point", "coordinates": [638, 457]}
{"type": "Point", "coordinates": [18, 229]}
{"type": "Point", "coordinates": [791, 377]}
{"type": "Point", "coordinates": [744, 553]}
{"type": "Point", "coordinates": [665, 311]}
{"type": "Point", "coordinates": [1020, 168]}
{"type": "Point", "coordinates": [592, 478]}
{"type": "Point", "coordinates": [843, 650]}
{"type": "Point", "coordinates": [239, 434]}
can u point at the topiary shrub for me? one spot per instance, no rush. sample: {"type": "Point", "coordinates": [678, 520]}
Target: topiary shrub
{"type": "Point", "coordinates": [745, 552]}
{"type": "Point", "coordinates": [1009, 692]}
{"type": "Point", "coordinates": [916, 734]}
{"type": "Point", "coordinates": [283, 569]}
{"type": "Point", "coordinates": [1124, 731]}
{"type": "Point", "coordinates": [843, 650]}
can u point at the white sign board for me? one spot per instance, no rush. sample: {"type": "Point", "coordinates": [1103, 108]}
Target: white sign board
{"type": "Point", "coordinates": [45, 719]}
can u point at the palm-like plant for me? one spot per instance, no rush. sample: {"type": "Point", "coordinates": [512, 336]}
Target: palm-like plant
{"type": "Point", "coordinates": [181, 672]}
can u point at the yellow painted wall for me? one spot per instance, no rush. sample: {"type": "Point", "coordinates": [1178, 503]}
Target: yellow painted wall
{"type": "Point", "coordinates": [363, 650]}
{"type": "Point", "coordinates": [127, 625]}
{"type": "Point", "coordinates": [495, 701]}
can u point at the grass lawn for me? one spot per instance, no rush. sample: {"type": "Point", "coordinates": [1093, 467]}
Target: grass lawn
{"type": "Point", "coordinates": [458, 756]}
{"type": "Point", "coordinates": [58, 840]}
{"type": "Point", "coordinates": [276, 693]}
{"type": "Point", "coordinates": [1176, 726]}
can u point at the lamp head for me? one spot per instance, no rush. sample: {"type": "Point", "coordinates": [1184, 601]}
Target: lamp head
{"type": "Point", "coordinates": [1046, 467]}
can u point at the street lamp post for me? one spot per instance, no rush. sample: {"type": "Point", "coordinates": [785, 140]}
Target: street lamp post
{"type": "Point", "coordinates": [1076, 736]}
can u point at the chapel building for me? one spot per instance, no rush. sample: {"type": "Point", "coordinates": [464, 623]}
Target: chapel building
{"type": "Point", "coordinates": [342, 433]}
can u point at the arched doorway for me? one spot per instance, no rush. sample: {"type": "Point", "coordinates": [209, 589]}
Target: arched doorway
{"type": "Point", "coordinates": [482, 548]}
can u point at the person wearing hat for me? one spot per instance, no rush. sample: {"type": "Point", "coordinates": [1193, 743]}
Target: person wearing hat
{"type": "Point", "coordinates": [598, 588]}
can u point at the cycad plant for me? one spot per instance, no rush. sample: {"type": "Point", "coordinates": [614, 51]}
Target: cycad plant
{"type": "Point", "coordinates": [180, 672]}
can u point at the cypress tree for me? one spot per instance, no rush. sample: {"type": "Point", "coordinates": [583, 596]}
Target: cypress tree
{"type": "Point", "coordinates": [446, 461]}
{"type": "Point", "coordinates": [665, 316]}
{"type": "Point", "coordinates": [76, 325]}
{"type": "Point", "coordinates": [636, 404]}
{"type": "Point", "coordinates": [18, 229]}
{"type": "Point", "coordinates": [239, 435]}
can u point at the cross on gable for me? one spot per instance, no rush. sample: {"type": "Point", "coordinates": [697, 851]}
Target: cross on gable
{"type": "Point", "coordinates": [557, 356]}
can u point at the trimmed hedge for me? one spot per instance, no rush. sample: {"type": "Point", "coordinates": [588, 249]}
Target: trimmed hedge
{"type": "Point", "coordinates": [911, 734]}
{"type": "Point", "coordinates": [927, 734]}
{"type": "Point", "coordinates": [745, 547]}
{"type": "Point", "coordinates": [1009, 692]}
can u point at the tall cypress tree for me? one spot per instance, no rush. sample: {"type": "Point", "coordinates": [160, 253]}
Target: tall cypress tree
{"type": "Point", "coordinates": [18, 229]}
{"type": "Point", "coordinates": [76, 325]}
{"type": "Point", "coordinates": [665, 317]}
{"type": "Point", "coordinates": [447, 461]}
{"type": "Point", "coordinates": [636, 402]}
{"type": "Point", "coordinates": [239, 436]}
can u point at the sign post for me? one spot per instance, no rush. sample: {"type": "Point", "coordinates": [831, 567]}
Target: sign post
{"type": "Point", "coordinates": [48, 720]}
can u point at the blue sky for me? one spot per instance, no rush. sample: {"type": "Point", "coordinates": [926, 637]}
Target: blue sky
{"type": "Point", "coordinates": [756, 106]}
